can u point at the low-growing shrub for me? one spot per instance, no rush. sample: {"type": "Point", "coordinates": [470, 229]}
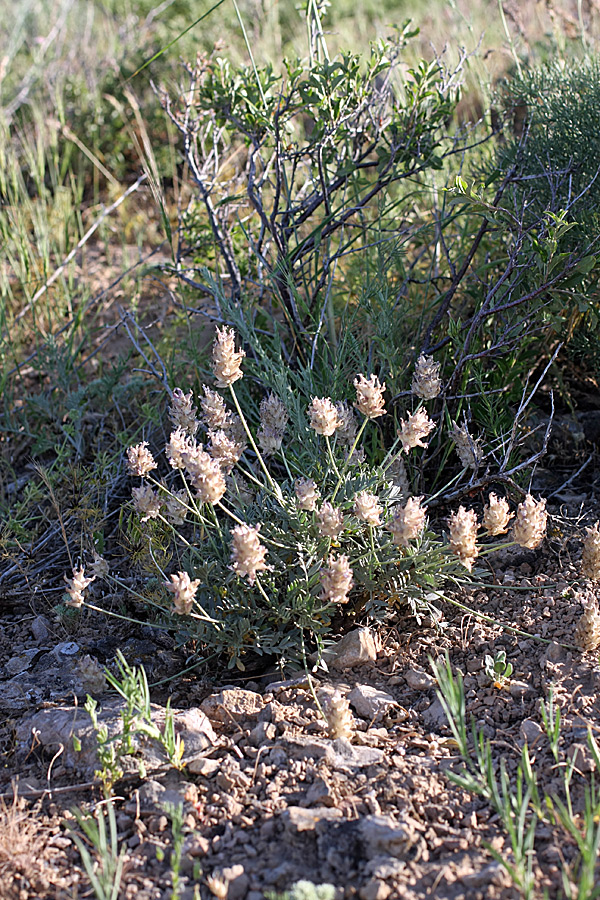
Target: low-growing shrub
{"type": "Point", "coordinates": [279, 530]}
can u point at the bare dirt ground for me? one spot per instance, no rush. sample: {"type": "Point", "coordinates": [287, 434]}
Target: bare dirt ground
{"type": "Point", "coordinates": [268, 798]}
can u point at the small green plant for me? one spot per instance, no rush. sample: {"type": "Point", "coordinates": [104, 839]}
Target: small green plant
{"type": "Point", "coordinates": [175, 813]}
{"type": "Point", "coordinates": [105, 868]}
{"type": "Point", "coordinates": [136, 720]}
{"type": "Point", "coordinates": [497, 669]}
{"type": "Point", "coordinates": [551, 718]}
{"type": "Point", "coordinates": [520, 804]}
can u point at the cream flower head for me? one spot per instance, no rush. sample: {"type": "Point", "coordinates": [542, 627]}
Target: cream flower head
{"type": "Point", "coordinates": [366, 507]}
{"type": "Point", "coordinates": [226, 362]}
{"type": "Point", "coordinates": [184, 592]}
{"type": "Point", "coordinates": [76, 587]}
{"type": "Point", "coordinates": [463, 536]}
{"type": "Point", "coordinates": [330, 520]}
{"type": "Point", "coordinates": [530, 524]}
{"type": "Point", "coordinates": [182, 412]}
{"type": "Point", "coordinates": [496, 516]}
{"type": "Point", "coordinates": [247, 552]}
{"type": "Point", "coordinates": [179, 443]}
{"type": "Point", "coordinates": [205, 474]}
{"type": "Point", "coordinates": [215, 414]}
{"type": "Point", "coordinates": [146, 502]}
{"type": "Point", "coordinates": [408, 522]}
{"type": "Point", "coordinates": [323, 416]}
{"type": "Point", "coordinates": [226, 451]}
{"type": "Point", "coordinates": [139, 459]}
{"type": "Point", "coordinates": [273, 422]}
{"type": "Point", "coordinates": [336, 579]}
{"type": "Point", "coordinates": [587, 633]}
{"type": "Point", "coordinates": [307, 494]}
{"type": "Point", "coordinates": [415, 429]}
{"type": "Point", "coordinates": [426, 382]}
{"type": "Point", "coordinates": [369, 396]}
{"type": "Point", "coordinates": [590, 558]}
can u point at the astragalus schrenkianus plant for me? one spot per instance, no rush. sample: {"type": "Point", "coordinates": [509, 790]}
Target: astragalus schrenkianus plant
{"type": "Point", "coordinates": [279, 528]}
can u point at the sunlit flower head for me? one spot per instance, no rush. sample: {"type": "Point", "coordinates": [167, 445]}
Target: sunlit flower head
{"type": "Point", "coordinates": [336, 579]}
{"type": "Point", "coordinates": [206, 475]}
{"type": "Point", "coordinates": [184, 592]}
{"type": "Point", "coordinates": [413, 431]}
{"type": "Point", "coordinates": [530, 524]}
{"type": "Point", "coordinates": [463, 536]}
{"type": "Point", "coordinates": [182, 412]}
{"type": "Point", "coordinates": [366, 507]}
{"type": "Point", "coordinates": [407, 522]}
{"type": "Point", "coordinates": [323, 416]}
{"type": "Point", "coordinates": [496, 516]}
{"type": "Point", "coordinates": [369, 396]}
{"type": "Point", "coordinates": [139, 459]}
{"type": "Point", "coordinates": [76, 587]}
{"type": "Point", "coordinates": [215, 414]}
{"type": "Point", "coordinates": [226, 361]}
{"type": "Point", "coordinates": [247, 552]}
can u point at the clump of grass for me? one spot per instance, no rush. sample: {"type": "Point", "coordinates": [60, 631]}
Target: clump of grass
{"type": "Point", "coordinates": [520, 804]}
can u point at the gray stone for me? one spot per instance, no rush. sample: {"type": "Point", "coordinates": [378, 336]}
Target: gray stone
{"type": "Point", "coordinates": [297, 819]}
{"type": "Point", "coordinates": [66, 648]}
{"type": "Point", "coordinates": [340, 753]}
{"type": "Point", "coordinates": [278, 756]}
{"type": "Point", "coordinates": [355, 648]}
{"type": "Point", "coordinates": [531, 731]}
{"type": "Point", "coordinates": [40, 628]}
{"type": "Point", "coordinates": [582, 757]}
{"type": "Point", "coordinates": [493, 873]}
{"type": "Point", "coordinates": [383, 836]}
{"type": "Point", "coordinates": [349, 756]}
{"type": "Point", "coordinates": [232, 704]}
{"type": "Point", "coordinates": [418, 680]}
{"type": "Point", "coordinates": [434, 716]}
{"type": "Point", "coordinates": [374, 889]}
{"type": "Point", "coordinates": [204, 766]}
{"type": "Point", "coordinates": [320, 793]}
{"type": "Point", "coordinates": [56, 727]}
{"type": "Point", "coordinates": [369, 702]}
{"type": "Point", "coordinates": [555, 653]}
{"type": "Point", "coordinates": [22, 662]}
{"type": "Point", "coordinates": [383, 867]}
{"type": "Point", "coordinates": [263, 733]}
{"type": "Point", "coordinates": [301, 681]}
{"type": "Point", "coordinates": [519, 689]}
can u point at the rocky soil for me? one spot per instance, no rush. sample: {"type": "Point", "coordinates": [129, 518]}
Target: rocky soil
{"type": "Point", "coordinates": [269, 798]}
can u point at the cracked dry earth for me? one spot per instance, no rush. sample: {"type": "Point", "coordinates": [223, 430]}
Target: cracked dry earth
{"type": "Point", "coordinates": [268, 798]}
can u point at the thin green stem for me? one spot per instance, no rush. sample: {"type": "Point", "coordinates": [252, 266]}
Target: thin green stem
{"type": "Point", "coordinates": [274, 486]}
{"type": "Point", "coordinates": [229, 513]}
{"type": "Point", "coordinates": [331, 457]}
{"type": "Point", "coordinates": [349, 457]}
{"type": "Point", "coordinates": [309, 679]}
{"type": "Point", "coordinates": [108, 612]}
{"type": "Point", "coordinates": [388, 456]}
